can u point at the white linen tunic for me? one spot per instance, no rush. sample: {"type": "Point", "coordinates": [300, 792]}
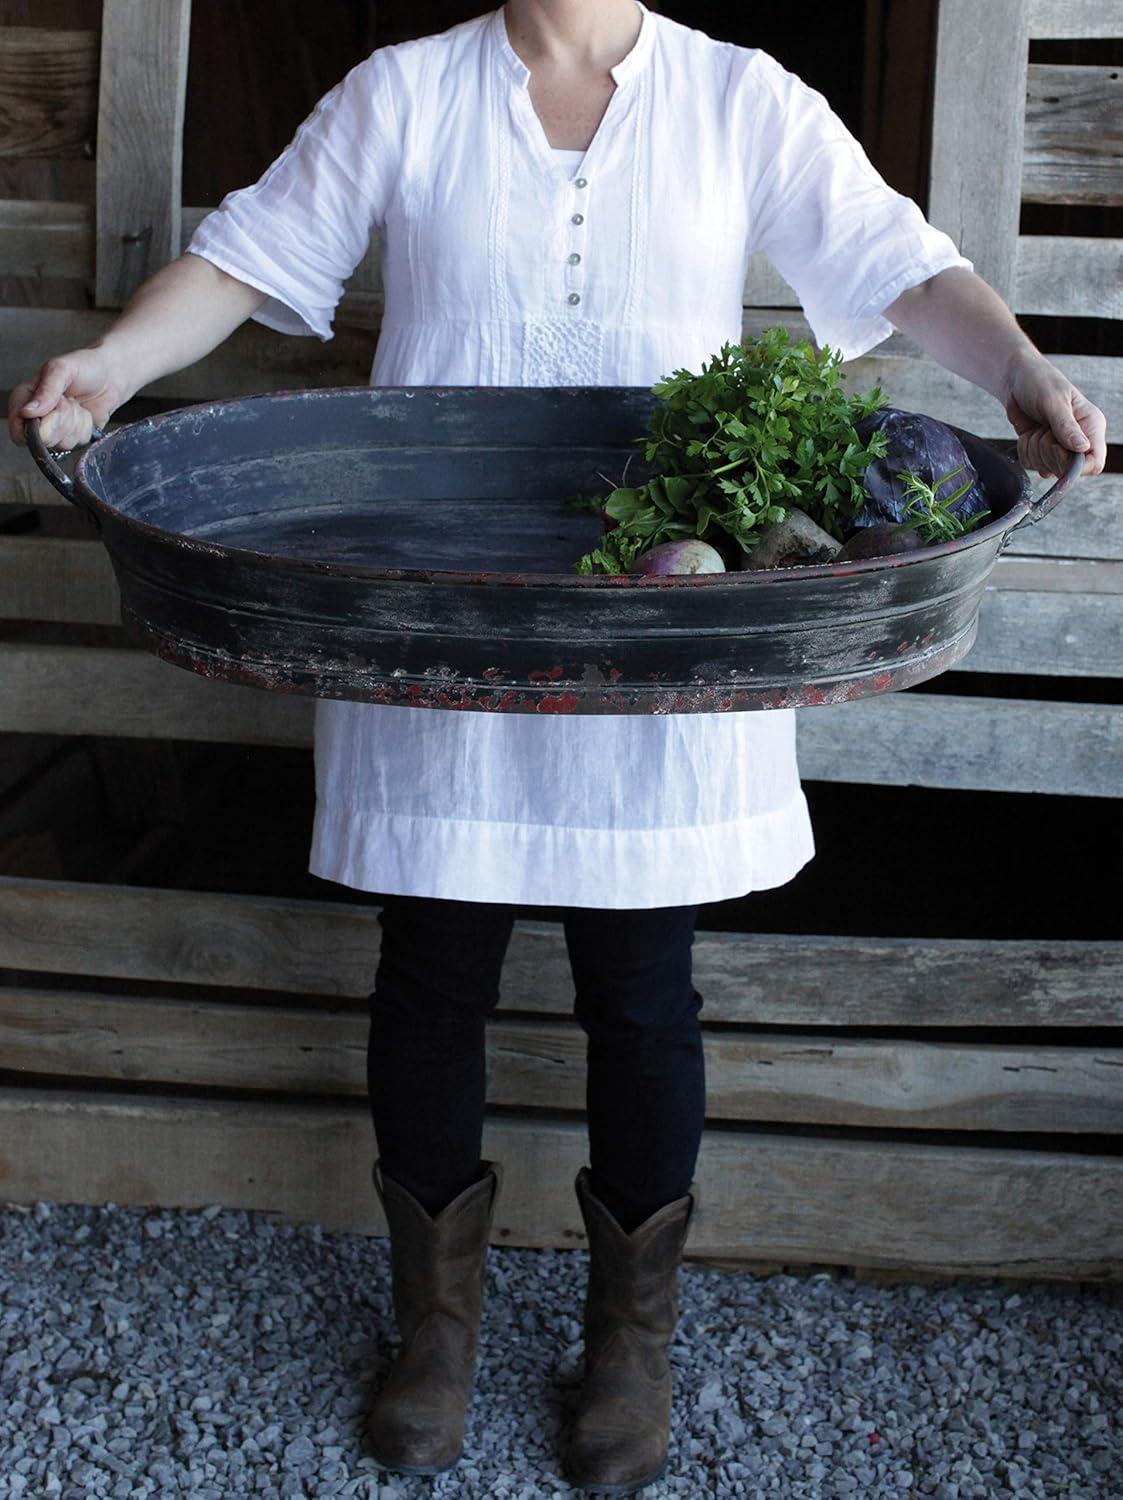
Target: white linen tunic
{"type": "Point", "coordinates": [502, 269]}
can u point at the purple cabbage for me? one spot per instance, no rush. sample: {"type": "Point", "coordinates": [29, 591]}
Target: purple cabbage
{"type": "Point", "coordinates": [918, 445]}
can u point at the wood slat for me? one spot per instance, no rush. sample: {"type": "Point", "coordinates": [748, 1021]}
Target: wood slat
{"type": "Point", "coordinates": [918, 739]}
{"type": "Point", "coordinates": [1069, 276]}
{"type": "Point", "coordinates": [761, 1195]}
{"type": "Point", "coordinates": [143, 91]}
{"type": "Point", "coordinates": [977, 132]}
{"type": "Point", "coordinates": [41, 238]}
{"type": "Point", "coordinates": [1074, 20]}
{"type": "Point", "coordinates": [1048, 633]}
{"type": "Point", "coordinates": [52, 578]}
{"type": "Point", "coordinates": [791, 1078]}
{"type": "Point", "coordinates": [901, 739]}
{"type": "Point", "coordinates": [1085, 525]}
{"type": "Point", "coordinates": [1073, 135]}
{"type": "Point", "coordinates": [331, 949]}
{"type": "Point", "coordinates": [1057, 575]}
{"type": "Point", "coordinates": [48, 92]}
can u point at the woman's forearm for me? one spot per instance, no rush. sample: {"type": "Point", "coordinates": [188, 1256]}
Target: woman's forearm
{"type": "Point", "coordinates": [964, 324]}
{"type": "Point", "coordinates": [175, 318]}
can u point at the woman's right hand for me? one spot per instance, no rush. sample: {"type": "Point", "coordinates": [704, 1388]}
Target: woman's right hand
{"type": "Point", "coordinates": [71, 395]}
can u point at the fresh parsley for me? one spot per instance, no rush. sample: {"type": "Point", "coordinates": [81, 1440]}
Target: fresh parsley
{"type": "Point", "coordinates": [764, 425]}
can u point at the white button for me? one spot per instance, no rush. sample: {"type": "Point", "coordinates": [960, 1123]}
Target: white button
{"type": "Point", "coordinates": [581, 182]}
{"type": "Point", "coordinates": [578, 219]}
{"type": "Point", "coordinates": [573, 299]}
{"type": "Point", "coordinates": [575, 259]}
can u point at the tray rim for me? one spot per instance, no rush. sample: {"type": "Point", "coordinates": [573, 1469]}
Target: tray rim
{"type": "Point", "coordinates": [452, 577]}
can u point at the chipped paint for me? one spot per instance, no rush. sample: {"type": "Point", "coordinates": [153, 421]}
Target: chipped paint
{"type": "Point", "coordinates": [497, 641]}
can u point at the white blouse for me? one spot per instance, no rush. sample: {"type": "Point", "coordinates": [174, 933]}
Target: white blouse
{"type": "Point", "coordinates": [504, 265]}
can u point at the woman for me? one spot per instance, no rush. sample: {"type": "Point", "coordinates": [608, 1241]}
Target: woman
{"type": "Point", "coordinates": [566, 192]}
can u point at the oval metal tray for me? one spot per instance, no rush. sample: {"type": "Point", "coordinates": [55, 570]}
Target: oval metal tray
{"type": "Point", "coordinates": [412, 546]}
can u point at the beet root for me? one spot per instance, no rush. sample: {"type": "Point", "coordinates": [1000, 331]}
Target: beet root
{"type": "Point", "coordinates": [882, 540]}
{"type": "Point", "coordinates": [794, 542]}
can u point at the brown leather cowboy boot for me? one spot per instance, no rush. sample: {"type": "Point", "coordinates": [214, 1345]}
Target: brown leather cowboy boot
{"type": "Point", "coordinates": [416, 1423]}
{"type": "Point", "coordinates": [619, 1438]}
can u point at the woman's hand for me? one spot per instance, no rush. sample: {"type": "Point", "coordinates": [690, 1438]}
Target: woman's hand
{"type": "Point", "coordinates": [175, 318]}
{"type": "Point", "coordinates": [71, 395]}
{"type": "Point", "coordinates": [1053, 419]}
{"type": "Point", "coordinates": [961, 321]}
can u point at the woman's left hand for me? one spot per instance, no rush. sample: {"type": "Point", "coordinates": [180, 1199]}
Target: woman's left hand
{"type": "Point", "coordinates": [1053, 419]}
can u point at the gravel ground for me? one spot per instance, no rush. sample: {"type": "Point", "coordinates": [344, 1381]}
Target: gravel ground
{"type": "Point", "coordinates": [220, 1354]}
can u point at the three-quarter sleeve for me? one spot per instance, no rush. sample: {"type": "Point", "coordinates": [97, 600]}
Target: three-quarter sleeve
{"type": "Point", "coordinates": [843, 239]}
{"type": "Point", "coordinates": [299, 232]}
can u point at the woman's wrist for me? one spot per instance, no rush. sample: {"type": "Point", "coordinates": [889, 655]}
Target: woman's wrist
{"type": "Point", "coordinates": [1022, 361]}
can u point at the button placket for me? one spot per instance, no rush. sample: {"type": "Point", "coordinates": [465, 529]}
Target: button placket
{"type": "Point", "coordinates": [575, 259]}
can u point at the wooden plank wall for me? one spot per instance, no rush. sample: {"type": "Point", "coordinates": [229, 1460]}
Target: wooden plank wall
{"type": "Point", "coordinates": [942, 1106]}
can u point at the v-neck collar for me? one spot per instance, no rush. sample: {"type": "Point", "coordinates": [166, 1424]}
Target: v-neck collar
{"type": "Point", "coordinates": [625, 69]}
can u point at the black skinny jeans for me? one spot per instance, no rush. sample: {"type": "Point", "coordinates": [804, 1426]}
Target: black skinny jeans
{"type": "Point", "coordinates": [438, 980]}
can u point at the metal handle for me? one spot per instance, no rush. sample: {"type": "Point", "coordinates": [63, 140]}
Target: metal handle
{"type": "Point", "coordinates": [53, 471]}
{"type": "Point", "coordinates": [1055, 493]}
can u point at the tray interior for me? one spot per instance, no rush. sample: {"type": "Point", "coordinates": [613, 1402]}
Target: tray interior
{"type": "Point", "coordinates": [492, 495]}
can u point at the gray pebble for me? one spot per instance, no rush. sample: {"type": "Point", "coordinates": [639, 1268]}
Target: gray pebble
{"type": "Point", "coordinates": [148, 1354]}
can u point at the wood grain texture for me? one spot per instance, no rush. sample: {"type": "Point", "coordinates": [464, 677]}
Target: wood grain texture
{"type": "Point", "coordinates": [977, 128]}
{"type": "Point", "coordinates": [1073, 135]}
{"type": "Point", "coordinates": [330, 949]}
{"type": "Point", "coordinates": [764, 1195]}
{"type": "Point", "coordinates": [1056, 575]}
{"type": "Point", "coordinates": [48, 92]}
{"type": "Point", "coordinates": [51, 578]}
{"type": "Point", "coordinates": [1069, 276]}
{"type": "Point", "coordinates": [789, 1078]}
{"type": "Point", "coordinates": [918, 739]}
{"type": "Point", "coordinates": [1048, 633]}
{"type": "Point", "coordinates": [140, 142]}
{"type": "Point", "coordinates": [44, 239]}
{"type": "Point", "coordinates": [1073, 20]}
{"type": "Point", "coordinates": [1085, 525]}
{"type": "Point", "coordinates": [901, 739]}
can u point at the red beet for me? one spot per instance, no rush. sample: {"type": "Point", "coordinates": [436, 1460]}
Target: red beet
{"type": "Point", "coordinates": [882, 540]}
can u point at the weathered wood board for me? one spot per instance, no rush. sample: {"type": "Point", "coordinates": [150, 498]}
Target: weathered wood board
{"type": "Point", "coordinates": [1073, 134]}
{"type": "Point", "coordinates": [48, 91]}
{"type": "Point", "coordinates": [783, 1078]}
{"type": "Point", "coordinates": [330, 949]}
{"type": "Point", "coordinates": [1074, 20]}
{"type": "Point", "coordinates": [139, 142]}
{"type": "Point", "coordinates": [978, 127]}
{"type": "Point", "coordinates": [762, 1195]}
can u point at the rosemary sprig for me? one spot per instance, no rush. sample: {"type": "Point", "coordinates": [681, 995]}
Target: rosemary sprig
{"type": "Point", "coordinates": [932, 517]}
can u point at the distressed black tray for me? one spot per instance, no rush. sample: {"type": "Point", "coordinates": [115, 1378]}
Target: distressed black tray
{"type": "Point", "coordinates": [410, 546]}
